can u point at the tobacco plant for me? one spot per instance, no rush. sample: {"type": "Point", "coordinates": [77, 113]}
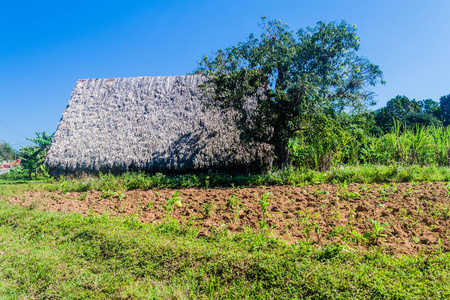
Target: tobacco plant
{"type": "Point", "coordinates": [264, 202]}
{"type": "Point", "coordinates": [234, 203]}
{"type": "Point", "coordinates": [107, 194]}
{"type": "Point", "coordinates": [172, 201]}
{"type": "Point", "coordinates": [377, 232]}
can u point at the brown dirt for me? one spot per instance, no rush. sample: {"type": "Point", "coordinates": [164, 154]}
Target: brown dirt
{"type": "Point", "coordinates": [417, 215]}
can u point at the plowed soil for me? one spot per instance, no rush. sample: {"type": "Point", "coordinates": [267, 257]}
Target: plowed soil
{"type": "Point", "coordinates": [413, 217]}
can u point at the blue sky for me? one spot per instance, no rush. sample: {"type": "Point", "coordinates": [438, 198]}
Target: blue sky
{"type": "Point", "coordinates": [46, 46]}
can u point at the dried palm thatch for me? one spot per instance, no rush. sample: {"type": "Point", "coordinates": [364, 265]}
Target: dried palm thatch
{"type": "Point", "coordinates": [155, 124]}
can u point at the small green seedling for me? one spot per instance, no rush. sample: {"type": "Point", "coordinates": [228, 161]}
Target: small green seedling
{"type": "Point", "coordinates": [207, 182]}
{"type": "Point", "coordinates": [377, 232]}
{"type": "Point", "coordinates": [82, 196]}
{"type": "Point", "coordinates": [264, 202]}
{"type": "Point", "coordinates": [363, 188]}
{"type": "Point", "coordinates": [446, 213]}
{"type": "Point", "coordinates": [107, 194]}
{"type": "Point", "coordinates": [320, 192]}
{"type": "Point", "coordinates": [207, 209]}
{"type": "Point", "coordinates": [172, 201]}
{"type": "Point", "coordinates": [233, 202]}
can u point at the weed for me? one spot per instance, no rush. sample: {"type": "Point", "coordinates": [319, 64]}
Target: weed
{"type": "Point", "coordinates": [307, 229]}
{"type": "Point", "coordinates": [351, 214]}
{"type": "Point", "coordinates": [218, 233]}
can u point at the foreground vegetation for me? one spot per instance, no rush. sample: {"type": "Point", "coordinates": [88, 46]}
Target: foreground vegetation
{"type": "Point", "coordinates": [66, 256]}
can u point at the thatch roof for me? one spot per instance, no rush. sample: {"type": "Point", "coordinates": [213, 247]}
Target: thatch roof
{"type": "Point", "coordinates": [156, 124]}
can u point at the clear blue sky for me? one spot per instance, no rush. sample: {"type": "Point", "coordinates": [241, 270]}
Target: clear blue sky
{"type": "Point", "coordinates": [46, 46]}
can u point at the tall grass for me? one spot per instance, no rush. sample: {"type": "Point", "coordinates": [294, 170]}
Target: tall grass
{"type": "Point", "coordinates": [406, 146]}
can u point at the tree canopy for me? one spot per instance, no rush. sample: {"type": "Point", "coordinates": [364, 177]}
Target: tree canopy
{"type": "Point", "coordinates": [410, 112]}
{"type": "Point", "coordinates": [290, 78]}
{"type": "Point", "coordinates": [33, 157]}
{"type": "Point", "coordinates": [6, 151]}
{"type": "Point", "coordinates": [445, 109]}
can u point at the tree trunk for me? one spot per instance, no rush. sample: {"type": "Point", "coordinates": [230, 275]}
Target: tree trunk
{"type": "Point", "coordinates": [282, 154]}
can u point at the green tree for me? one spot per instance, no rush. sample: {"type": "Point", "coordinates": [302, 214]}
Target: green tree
{"type": "Point", "coordinates": [396, 109]}
{"type": "Point", "coordinates": [409, 112]}
{"type": "Point", "coordinates": [428, 106]}
{"type": "Point", "coordinates": [33, 157]}
{"type": "Point", "coordinates": [444, 102]}
{"type": "Point", "coordinates": [288, 79]}
{"type": "Point", "coordinates": [422, 119]}
{"type": "Point", "coordinates": [6, 151]}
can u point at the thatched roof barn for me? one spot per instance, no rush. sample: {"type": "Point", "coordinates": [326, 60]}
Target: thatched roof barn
{"type": "Point", "coordinates": [155, 124]}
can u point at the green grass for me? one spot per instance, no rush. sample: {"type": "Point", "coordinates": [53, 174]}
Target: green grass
{"type": "Point", "coordinates": [65, 256]}
{"type": "Point", "coordinates": [129, 181]}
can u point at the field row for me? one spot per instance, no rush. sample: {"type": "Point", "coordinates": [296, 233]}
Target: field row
{"type": "Point", "coordinates": [405, 218]}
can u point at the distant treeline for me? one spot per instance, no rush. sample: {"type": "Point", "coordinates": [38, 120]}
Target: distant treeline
{"type": "Point", "coordinates": [410, 112]}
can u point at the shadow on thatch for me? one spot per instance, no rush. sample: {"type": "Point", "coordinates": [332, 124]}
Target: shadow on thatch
{"type": "Point", "coordinates": [180, 159]}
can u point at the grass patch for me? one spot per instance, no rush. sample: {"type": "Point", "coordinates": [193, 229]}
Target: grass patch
{"type": "Point", "coordinates": [139, 180]}
{"type": "Point", "coordinates": [65, 256]}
